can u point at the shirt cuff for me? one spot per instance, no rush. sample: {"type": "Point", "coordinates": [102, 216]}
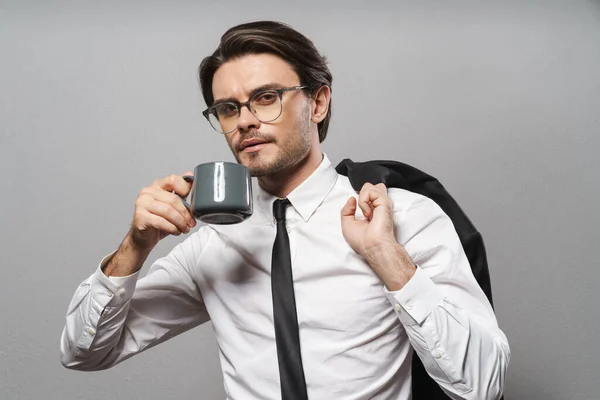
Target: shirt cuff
{"type": "Point", "coordinates": [116, 290]}
{"type": "Point", "coordinates": [416, 300]}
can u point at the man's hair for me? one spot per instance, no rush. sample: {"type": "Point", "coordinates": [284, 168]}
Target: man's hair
{"type": "Point", "coordinates": [273, 38]}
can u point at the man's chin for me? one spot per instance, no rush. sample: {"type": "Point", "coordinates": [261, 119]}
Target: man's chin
{"type": "Point", "coordinates": [259, 169]}
{"type": "Point", "coordinates": [255, 162]}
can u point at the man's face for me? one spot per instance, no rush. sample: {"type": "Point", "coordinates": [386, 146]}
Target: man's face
{"type": "Point", "coordinates": [283, 142]}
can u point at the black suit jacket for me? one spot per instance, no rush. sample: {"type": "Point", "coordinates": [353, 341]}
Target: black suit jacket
{"type": "Point", "coordinates": [400, 175]}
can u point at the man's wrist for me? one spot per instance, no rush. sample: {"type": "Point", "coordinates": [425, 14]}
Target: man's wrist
{"type": "Point", "coordinates": [393, 265]}
{"type": "Point", "coordinates": [128, 259]}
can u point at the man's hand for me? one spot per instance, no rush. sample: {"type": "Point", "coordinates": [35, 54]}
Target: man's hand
{"type": "Point", "coordinates": [159, 212]}
{"type": "Point", "coordinates": [373, 237]}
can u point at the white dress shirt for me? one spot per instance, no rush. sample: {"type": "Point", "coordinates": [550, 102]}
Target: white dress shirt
{"type": "Point", "coordinates": [357, 338]}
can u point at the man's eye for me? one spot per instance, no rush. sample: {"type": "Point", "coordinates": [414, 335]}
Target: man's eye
{"type": "Point", "coordinates": [266, 98]}
{"type": "Point", "coordinates": [226, 110]}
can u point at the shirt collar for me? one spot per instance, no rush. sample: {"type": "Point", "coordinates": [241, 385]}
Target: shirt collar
{"type": "Point", "coordinates": [307, 196]}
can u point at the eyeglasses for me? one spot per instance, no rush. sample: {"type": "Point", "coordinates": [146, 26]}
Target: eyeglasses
{"type": "Point", "coordinates": [265, 105]}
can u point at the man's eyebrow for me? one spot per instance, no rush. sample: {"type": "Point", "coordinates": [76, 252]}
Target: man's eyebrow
{"type": "Point", "coordinates": [267, 86]}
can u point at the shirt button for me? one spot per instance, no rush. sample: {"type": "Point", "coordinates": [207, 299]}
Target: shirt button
{"type": "Point", "coordinates": [408, 306]}
{"type": "Point", "coordinates": [109, 294]}
{"type": "Point", "coordinates": [122, 292]}
{"type": "Point", "coordinates": [398, 307]}
{"type": "Point", "coordinates": [90, 331]}
{"type": "Point", "coordinates": [437, 354]}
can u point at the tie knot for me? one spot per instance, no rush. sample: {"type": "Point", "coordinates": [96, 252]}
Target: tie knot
{"type": "Point", "coordinates": [279, 207]}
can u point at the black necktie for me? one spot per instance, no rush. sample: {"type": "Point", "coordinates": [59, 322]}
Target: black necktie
{"type": "Point", "coordinates": [291, 373]}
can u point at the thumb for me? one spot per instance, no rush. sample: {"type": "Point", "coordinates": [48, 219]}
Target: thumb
{"type": "Point", "coordinates": [349, 210]}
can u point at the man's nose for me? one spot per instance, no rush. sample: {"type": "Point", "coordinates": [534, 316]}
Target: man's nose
{"type": "Point", "coordinates": [247, 120]}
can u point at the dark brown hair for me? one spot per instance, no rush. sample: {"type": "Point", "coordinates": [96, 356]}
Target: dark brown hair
{"type": "Point", "coordinates": [273, 38]}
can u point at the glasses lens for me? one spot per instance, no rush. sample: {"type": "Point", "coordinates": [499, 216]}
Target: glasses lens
{"type": "Point", "coordinates": [266, 105]}
{"type": "Point", "coordinates": [214, 122]}
{"type": "Point", "coordinates": [224, 117]}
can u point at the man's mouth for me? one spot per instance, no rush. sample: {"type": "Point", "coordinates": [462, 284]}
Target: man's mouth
{"type": "Point", "coordinates": [252, 145]}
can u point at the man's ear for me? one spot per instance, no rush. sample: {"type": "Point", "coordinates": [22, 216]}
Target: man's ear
{"type": "Point", "coordinates": [320, 103]}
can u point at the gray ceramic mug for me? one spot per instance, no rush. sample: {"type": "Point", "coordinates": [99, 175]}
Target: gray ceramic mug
{"type": "Point", "coordinates": [221, 193]}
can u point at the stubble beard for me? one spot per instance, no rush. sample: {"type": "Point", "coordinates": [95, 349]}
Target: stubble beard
{"type": "Point", "coordinates": [288, 154]}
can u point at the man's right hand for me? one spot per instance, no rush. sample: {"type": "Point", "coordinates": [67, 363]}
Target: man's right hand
{"type": "Point", "coordinates": [159, 212]}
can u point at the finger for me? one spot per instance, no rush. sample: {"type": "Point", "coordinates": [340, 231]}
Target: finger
{"type": "Point", "coordinates": [376, 195]}
{"type": "Point", "coordinates": [161, 224]}
{"type": "Point", "coordinates": [175, 201]}
{"type": "Point", "coordinates": [169, 213]}
{"type": "Point", "coordinates": [380, 187]}
{"type": "Point", "coordinates": [153, 193]}
{"type": "Point", "coordinates": [174, 183]}
{"type": "Point", "coordinates": [349, 210]}
{"type": "Point", "coordinates": [365, 198]}
{"type": "Point", "coordinates": [382, 199]}
{"type": "Point", "coordinates": [371, 199]}
{"type": "Point", "coordinates": [367, 186]}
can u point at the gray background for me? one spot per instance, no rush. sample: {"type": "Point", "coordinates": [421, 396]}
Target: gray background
{"type": "Point", "coordinates": [499, 100]}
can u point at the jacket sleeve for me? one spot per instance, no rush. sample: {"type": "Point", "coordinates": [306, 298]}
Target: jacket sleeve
{"type": "Point", "coordinates": [447, 317]}
{"type": "Point", "coordinates": [112, 319]}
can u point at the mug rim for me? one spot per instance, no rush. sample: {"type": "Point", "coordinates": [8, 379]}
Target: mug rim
{"type": "Point", "coordinates": [220, 162]}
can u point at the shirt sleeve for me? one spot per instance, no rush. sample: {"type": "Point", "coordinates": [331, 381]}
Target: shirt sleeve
{"type": "Point", "coordinates": [447, 317]}
{"type": "Point", "coordinates": [112, 319]}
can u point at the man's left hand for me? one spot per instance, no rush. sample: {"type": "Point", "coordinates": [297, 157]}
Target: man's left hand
{"type": "Point", "coordinates": [373, 237]}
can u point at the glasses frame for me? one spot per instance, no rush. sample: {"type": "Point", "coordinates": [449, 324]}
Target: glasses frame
{"type": "Point", "coordinates": [239, 105]}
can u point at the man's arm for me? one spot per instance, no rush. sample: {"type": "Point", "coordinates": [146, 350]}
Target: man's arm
{"type": "Point", "coordinates": [113, 318]}
{"type": "Point", "coordinates": [109, 319]}
{"type": "Point", "coordinates": [450, 323]}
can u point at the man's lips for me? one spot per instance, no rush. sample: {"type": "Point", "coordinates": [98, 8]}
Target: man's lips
{"type": "Point", "coordinates": [250, 144]}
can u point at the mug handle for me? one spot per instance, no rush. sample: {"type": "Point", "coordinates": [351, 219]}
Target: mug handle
{"type": "Point", "coordinates": [189, 179]}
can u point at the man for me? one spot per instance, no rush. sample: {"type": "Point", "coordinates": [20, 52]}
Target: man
{"type": "Point", "coordinates": [376, 275]}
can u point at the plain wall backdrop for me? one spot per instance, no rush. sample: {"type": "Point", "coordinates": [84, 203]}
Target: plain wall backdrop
{"type": "Point", "coordinates": [499, 100]}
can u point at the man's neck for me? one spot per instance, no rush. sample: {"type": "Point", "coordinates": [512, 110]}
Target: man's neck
{"type": "Point", "coordinates": [283, 182]}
